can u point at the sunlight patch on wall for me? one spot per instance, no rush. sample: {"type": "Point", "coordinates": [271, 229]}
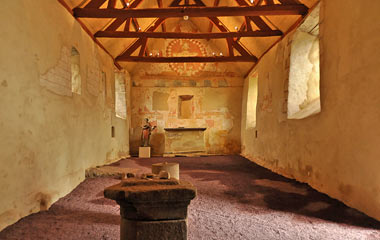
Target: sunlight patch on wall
{"type": "Point", "coordinates": [304, 75]}
{"type": "Point", "coordinates": [252, 101]}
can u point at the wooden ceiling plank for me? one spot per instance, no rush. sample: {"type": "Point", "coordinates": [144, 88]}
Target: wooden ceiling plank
{"type": "Point", "coordinates": [187, 35]}
{"type": "Point", "coordinates": [266, 10]}
{"type": "Point", "coordinates": [186, 59]}
{"type": "Point", "coordinates": [95, 4]}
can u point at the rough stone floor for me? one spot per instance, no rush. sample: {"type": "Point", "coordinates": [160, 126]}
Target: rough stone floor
{"type": "Point", "coordinates": [236, 200]}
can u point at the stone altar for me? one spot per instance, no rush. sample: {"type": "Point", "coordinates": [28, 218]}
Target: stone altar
{"type": "Point", "coordinates": [184, 141]}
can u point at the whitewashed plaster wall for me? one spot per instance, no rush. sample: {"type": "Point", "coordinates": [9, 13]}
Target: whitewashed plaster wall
{"type": "Point", "coordinates": [336, 151]}
{"type": "Point", "coordinates": [49, 135]}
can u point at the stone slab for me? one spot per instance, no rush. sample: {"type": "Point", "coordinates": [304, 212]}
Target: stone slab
{"type": "Point", "coordinates": [153, 230]}
{"type": "Point", "coordinates": [144, 152]}
{"type": "Point", "coordinates": [152, 199]}
{"type": "Point", "coordinates": [135, 190]}
{"type": "Point", "coordinates": [109, 171]}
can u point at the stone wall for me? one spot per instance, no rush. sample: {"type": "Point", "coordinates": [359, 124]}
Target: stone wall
{"type": "Point", "coordinates": [50, 135]}
{"type": "Point", "coordinates": [335, 151]}
{"type": "Point", "coordinates": [214, 92]}
{"type": "Point", "coordinates": [215, 108]}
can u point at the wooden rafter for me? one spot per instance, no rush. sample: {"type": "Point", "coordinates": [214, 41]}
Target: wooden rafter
{"type": "Point", "coordinates": [187, 35]}
{"type": "Point", "coordinates": [119, 21]}
{"type": "Point", "coordinates": [266, 10]}
{"type": "Point", "coordinates": [95, 4]}
{"type": "Point", "coordinates": [257, 20]}
{"type": "Point", "coordinates": [186, 59]}
{"type": "Point", "coordinates": [160, 5]}
{"type": "Point", "coordinates": [129, 14]}
{"type": "Point", "coordinates": [216, 3]}
{"type": "Point", "coordinates": [111, 4]}
{"type": "Point", "coordinates": [232, 44]}
{"type": "Point", "coordinates": [139, 41]}
{"type": "Point", "coordinates": [144, 41]}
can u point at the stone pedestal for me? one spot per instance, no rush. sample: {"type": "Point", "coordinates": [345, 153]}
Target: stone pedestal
{"type": "Point", "coordinates": [144, 152]}
{"type": "Point", "coordinates": [152, 209]}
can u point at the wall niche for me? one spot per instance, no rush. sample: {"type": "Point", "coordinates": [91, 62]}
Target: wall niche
{"type": "Point", "coordinates": [185, 106]}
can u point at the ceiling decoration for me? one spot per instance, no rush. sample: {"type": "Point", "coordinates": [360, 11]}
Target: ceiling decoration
{"type": "Point", "coordinates": [136, 21]}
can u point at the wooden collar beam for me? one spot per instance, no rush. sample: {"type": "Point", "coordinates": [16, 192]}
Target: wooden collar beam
{"type": "Point", "coordinates": [186, 35]}
{"type": "Point", "coordinates": [186, 59]}
{"type": "Point", "coordinates": [266, 10]}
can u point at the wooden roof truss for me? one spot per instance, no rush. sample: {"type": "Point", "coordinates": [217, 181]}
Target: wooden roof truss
{"type": "Point", "coordinates": [252, 11]}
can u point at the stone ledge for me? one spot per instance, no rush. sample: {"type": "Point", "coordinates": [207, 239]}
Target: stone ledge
{"type": "Point", "coordinates": [109, 171]}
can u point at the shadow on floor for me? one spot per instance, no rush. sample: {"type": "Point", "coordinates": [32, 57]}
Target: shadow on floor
{"type": "Point", "coordinates": [254, 186]}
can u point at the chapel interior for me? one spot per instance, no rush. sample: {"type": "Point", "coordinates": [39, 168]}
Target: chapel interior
{"type": "Point", "coordinates": [269, 108]}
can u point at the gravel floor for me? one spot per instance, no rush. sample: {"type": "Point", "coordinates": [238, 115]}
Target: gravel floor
{"type": "Point", "coordinates": [236, 199]}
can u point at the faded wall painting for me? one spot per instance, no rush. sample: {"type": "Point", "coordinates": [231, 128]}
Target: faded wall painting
{"type": "Point", "coordinates": [190, 95]}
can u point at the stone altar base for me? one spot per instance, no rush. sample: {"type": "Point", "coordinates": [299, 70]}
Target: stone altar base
{"type": "Point", "coordinates": [152, 209]}
{"type": "Point", "coordinates": [144, 152]}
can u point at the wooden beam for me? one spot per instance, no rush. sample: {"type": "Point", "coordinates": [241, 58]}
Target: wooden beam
{"type": "Point", "coordinates": [186, 59]}
{"type": "Point", "coordinates": [269, 2]}
{"type": "Point", "coordinates": [139, 42]}
{"type": "Point", "coordinates": [186, 35]}
{"type": "Point", "coordinates": [143, 47]}
{"type": "Point", "coordinates": [175, 3]}
{"type": "Point", "coordinates": [64, 4]}
{"type": "Point", "coordinates": [136, 24]}
{"type": "Point", "coordinates": [290, 30]}
{"type": "Point", "coordinates": [111, 4]}
{"type": "Point", "coordinates": [289, 1]}
{"type": "Point", "coordinates": [216, 3]}
{"type": "Point", "coordinates": [160, 5]}
{"type": "Point", "coordinates": [266, 10]}
{"type": "Point", "coordinates": [257, 20]}
{"type": "Point", "coordinates": [230, 47]}
{"type": "Point", "coordinates": [235, 43]}
{"type": "Point", "coordinates": [95, 4]}
{"type": "Point", "coordinates": [117, 22]}
{"type": "Point", "coordinates": [127, 25]}
{"type": "Point", "coordinates": [248, 24]}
